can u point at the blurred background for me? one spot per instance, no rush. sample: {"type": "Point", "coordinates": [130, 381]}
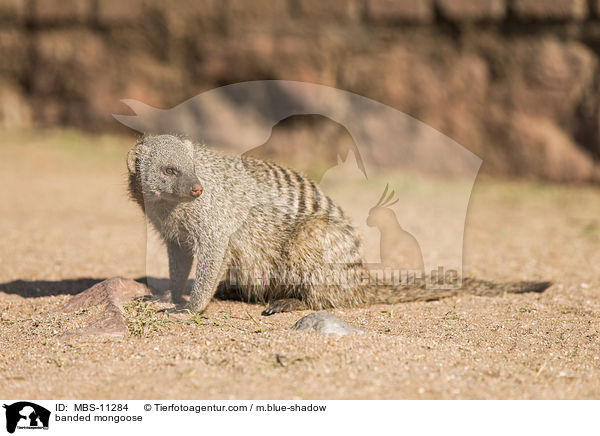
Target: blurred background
{"type": "Point", "coordinates": [514, 81]}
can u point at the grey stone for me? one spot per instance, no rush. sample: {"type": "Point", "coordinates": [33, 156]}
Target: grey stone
{"type": "Point", "coordinates": [325, 324]}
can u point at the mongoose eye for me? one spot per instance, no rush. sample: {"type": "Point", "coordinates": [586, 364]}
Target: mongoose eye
{"type": "Point", "coordinates": [171, 171]}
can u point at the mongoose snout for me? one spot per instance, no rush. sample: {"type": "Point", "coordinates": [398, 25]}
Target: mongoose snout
{"type": "Point", "coordinates": [196, 190]}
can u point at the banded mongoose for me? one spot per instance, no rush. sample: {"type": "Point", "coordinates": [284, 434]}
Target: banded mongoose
{"type": "Point", "coordinates": [273, 229]}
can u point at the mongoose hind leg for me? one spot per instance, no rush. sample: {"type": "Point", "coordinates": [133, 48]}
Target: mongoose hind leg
{"type": "Point", "coordinates": [228, 291]}
{"type": "Point", "coordinates": [284, 305]}
{"type": "Point", "coordinates": [321, 252]}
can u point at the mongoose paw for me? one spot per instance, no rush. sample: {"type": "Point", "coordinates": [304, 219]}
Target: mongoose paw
{"type": "Point", "coordinates": [283, 305]}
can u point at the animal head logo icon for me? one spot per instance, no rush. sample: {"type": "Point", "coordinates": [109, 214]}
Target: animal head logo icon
{"type": "Point", "coordinates": [26, 415]}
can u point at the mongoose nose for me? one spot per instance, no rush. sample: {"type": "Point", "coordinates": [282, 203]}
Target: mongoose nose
{"type": "Point", "coordinates": [196, 190]}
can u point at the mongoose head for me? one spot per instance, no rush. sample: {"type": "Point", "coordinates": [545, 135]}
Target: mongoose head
{"type": "Point", "coordinates": [162, 167]}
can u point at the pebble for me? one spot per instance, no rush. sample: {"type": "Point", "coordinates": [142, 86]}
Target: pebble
{"type": "Point", "coordinates": [325, 324]}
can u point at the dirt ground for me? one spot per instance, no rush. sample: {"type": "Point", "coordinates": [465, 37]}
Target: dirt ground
{"type": "Point", "coordinates": [65, 218]}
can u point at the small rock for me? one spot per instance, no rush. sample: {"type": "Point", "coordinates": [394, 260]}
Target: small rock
{"type": "Point", "coordinates": [111, 294]}
{"type": "Point", "coordinates": [325, 324]}
{"type": "Point", "coordinates": [116, 290]}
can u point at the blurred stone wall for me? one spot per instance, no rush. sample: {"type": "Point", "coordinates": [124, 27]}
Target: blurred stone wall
{"type": "Point", "coordinates": [515, 81]}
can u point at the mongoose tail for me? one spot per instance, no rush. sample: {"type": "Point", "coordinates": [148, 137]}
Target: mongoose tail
{"type": "Point", "coordinates": [470, 286]}
{"type": "Point", "coordinates": [390, 294]}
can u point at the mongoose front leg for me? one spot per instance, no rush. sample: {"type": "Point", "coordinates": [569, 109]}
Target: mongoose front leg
{"type": "Point", "coordinates": [180, 264]}
{"type": "Point", "coordinates": [209, 268]}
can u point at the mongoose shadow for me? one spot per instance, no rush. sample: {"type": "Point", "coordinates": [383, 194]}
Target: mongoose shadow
{"type": "Point", "coordinates": [48, 288]}
{"type": "Point", "coordinates": [158, 287]}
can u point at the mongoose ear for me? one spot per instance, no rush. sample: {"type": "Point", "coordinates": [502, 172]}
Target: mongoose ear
{"type": "Point", "coordinates": [131, 158]}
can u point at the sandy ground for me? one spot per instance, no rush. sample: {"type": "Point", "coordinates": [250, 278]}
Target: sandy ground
{"type": "Point", "coordinates": [65, 217]}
